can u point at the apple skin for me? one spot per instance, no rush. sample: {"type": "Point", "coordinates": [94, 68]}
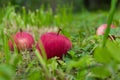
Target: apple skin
{"type": "Point", "coordinates": [22, 40]}
{"type": "Point", "coordinates": [101, 29]}
{"type": "Point", "coordinates": [54, 44]}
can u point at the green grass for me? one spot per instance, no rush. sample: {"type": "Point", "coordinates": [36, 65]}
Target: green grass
{"type": "Point", "coordinates": [85, 61]}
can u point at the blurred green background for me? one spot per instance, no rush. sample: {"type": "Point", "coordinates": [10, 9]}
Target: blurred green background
{"type": "Point", "coordinates": [77, 5]}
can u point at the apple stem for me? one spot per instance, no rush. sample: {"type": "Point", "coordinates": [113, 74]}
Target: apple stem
{"type": "Point", "coordinates": [59, 31]}
{"type": "Point", "coordinates": [21, 30]}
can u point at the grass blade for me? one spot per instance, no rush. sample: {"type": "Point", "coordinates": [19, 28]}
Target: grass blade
{"type": "Point", "coordinates": [110, 18]}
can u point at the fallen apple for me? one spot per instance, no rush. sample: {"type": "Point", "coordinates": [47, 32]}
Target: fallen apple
{"type": "Point", "coordinates": [101, 29]}
{"type": "Point", "coordinates": [54, 44]}
{"type": "Point", "coordinates": [22, 40]}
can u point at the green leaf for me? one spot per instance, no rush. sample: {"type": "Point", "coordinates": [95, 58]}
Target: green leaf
{"type": "Point", "coordinates": [114, 50]}
{"type": "Point", "coordinates": [102, 55]}
{"type": "Point", "coordinates": [81, 75]}
{"type": "Point", "coordinates": [85, 61]}
{"type": "Point", "coordinates": [6, 72]}
{"type": "Point", "coordinates": [100, 72]}
{"type": "Point", "coordinates": [107, 54]}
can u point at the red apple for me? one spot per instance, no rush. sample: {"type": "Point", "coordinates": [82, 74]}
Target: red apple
{"type": "Point", "coordinates": [101, 29]}
{"type": "Point", "coordinates": [22, 40]}
{"type": "Point", "coordinates": [55, 44]}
